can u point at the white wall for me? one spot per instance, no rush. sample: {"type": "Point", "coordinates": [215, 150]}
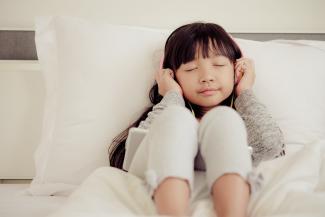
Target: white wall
{"type": "Point", "coordinates": [22, 95]}
{"type": "Point", "coordinates": [299, 16]}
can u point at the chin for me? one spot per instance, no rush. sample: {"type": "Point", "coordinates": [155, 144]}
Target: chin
{"type": "Point", "coordinates": [209, 103]}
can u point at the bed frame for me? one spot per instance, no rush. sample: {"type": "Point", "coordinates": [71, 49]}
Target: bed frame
{"type": "Point", "coordinates": [22, 94]}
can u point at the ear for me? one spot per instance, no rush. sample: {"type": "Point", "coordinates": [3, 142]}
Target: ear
{"type": "Point", "coordinates": [235, 77]}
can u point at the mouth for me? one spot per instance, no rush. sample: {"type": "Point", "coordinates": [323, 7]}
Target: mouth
{"type": "Point", "coordinates": [208, 92]}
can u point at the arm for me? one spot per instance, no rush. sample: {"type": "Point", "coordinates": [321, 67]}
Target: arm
{"type": "Point", "coordinates": [264, 135]}
{"type": "Point", "coordinates": [172, 97]}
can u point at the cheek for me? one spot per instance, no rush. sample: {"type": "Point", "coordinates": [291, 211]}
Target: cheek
{"type": "Point", "coordinates": [226, 75]}
{"type": "Point", "coordinates": [187, 87]}
{"type": "Point", "coordinates": [184, 81]}
{"type": "Point", "coordinates": [230, 74]}
{"type": "Point", "coordinates": [228, 81]}
{"type": "Point", "coordinates": [184, 85]}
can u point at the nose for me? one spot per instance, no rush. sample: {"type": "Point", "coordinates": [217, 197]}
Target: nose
{"type": "Point", "coordinates": [206, 77]}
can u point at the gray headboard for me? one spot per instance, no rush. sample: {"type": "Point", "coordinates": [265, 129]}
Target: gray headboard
{"type": "Point", "coordinates": [20, 45]}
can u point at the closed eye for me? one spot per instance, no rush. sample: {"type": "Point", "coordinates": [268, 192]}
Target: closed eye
{"type": "Point", "coordinates": [219, 65]}
{"type": "Point", "coordinates": [188, 70]}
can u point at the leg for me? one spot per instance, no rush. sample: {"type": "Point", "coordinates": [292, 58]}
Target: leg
{"type": "Point", "coordinates": [172, 197]}
{"type": "Point", "coordinates": [230, 195]}
{"type": "Point", "coordinates": [166, 160]}
{"type": "Point", "coordinates": [224, 148]}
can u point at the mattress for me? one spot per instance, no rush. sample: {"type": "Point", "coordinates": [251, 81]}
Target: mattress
{"type": "Point", "coordinates": [15, 202]}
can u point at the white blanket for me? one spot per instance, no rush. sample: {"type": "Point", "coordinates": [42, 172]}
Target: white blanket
{"type": "Point", "coordinates": [294, 186]}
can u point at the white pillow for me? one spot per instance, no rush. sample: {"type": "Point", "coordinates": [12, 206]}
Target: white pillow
{"type": "Point", "coordinates": [290, 79]}
{"type": "Point", "coordinates": [97, 79]}
{"type": "Point", "coordinates": [98, 76]}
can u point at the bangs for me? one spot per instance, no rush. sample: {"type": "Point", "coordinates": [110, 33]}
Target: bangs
{"type": "Point", "coordinates": [204, 47]}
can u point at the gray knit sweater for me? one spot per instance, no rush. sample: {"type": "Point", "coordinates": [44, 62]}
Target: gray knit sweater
{"type": "Point", "coordinates": [264, 135]}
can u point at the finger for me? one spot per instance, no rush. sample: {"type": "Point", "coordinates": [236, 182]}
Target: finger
{"type": "Point", "coordinates": [247, 63]}
{"type": "Point", "coordinates": [244, 65]}
{"type": "Point", "coordinates": [169, 72]}
{"type": "Point", "coordinates": [238, 61]}
{"type": "Point", "coordinates": [162, 72]}
{"type": "Point", "coordinates": [237, 66]}
{"type": "Point", "coordinates": [165, 71]}
{"type": "Point", "coordinates": [243, 60]}
{"type": "Point", "coordinates": [240, 65]}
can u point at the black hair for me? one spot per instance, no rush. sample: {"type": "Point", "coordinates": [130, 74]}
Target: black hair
{"type": "Point", "coordinates": [180, 48]}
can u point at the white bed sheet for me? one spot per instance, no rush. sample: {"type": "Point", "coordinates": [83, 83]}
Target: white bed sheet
{"type": "Point", "coordinates": [14, 202]}
{"type": "Point", "coordinates": [294, 186]}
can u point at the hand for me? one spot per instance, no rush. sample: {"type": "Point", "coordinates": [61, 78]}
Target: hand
{"type": "Point", "coordinates": [244, 74]}
{"type": "Point", "coordinates": [166, 82]}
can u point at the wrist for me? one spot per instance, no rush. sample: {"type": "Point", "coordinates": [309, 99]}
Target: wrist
{"type": "Point", "coordinates": [175, 91]}
{"type": "Point", "coordinates": [244, 99]}
{"type": "Point", "coordinates": [173, 97]}
{"type": "Point", "coordinates": [239, 91]}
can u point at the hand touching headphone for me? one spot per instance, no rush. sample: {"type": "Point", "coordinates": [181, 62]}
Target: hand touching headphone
{"type": "Point", "coordinates": [244, 74]}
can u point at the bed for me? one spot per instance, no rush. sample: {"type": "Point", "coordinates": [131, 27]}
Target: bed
{"type": "Point", "coordinates": [69, 93]}
{"type": "Point", "coordinates": [15, 202]}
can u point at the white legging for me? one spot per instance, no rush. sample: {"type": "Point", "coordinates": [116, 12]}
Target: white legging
{"type": "Point", "coordinates": [177, 144]}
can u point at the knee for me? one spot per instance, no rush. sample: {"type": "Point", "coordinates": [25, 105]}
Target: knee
{"type": "Point", "coordinates": [223, 117]}
{"type": "Point", "coordinates": [177, 128]}
{"type": "Point", "coordinates": [224, 126]}
{"type": "Point", "coordinates": [177, 116]}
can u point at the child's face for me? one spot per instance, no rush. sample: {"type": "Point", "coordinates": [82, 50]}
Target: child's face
{"type": "Point", "coordinates": [215, 72]}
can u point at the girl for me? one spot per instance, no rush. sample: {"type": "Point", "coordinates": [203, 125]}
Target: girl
{"type": "Point", "coordinates": [205, 116]}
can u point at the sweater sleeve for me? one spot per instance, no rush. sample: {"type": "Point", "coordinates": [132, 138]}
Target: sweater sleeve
{"type": "Point", "coordinates": [170, 98]}
{"type": "Point", "coordinates": [264, 135]}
